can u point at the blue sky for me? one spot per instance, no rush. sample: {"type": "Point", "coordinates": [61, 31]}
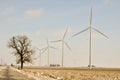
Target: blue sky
{"type": "Point", "coordinates": [40, 19]}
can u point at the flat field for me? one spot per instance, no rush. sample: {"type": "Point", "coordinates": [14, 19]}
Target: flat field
{"type": "Point", "coordinates": [76, 73]}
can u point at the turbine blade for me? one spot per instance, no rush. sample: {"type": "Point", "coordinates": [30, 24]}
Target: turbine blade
{"type": "Point", "coordinates": [38, 48]}
{"type": "Point", "coordinates": [81, 31]}
{"type": "Point", "coordinates": [67, 46]}
{"type": "Point", "coordinates": [52, 47]}
{"type": "Point", "coordinates": [91, 18]}
{"type": "Point", "coordinates": [65, 33]}
{"type": "Point", "coordinates": [100, 32]}
{"type": "Point", "coordinates": [44, 49]}
{"type": "Point", "coordinates": [57, 41]}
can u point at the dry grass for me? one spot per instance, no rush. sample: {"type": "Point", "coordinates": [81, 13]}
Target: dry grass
{"type": "Point", "coordinates": [76, 74]}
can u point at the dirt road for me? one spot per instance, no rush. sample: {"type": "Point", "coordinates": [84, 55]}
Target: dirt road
{"type": "Point", "coordinates": [8, 74]}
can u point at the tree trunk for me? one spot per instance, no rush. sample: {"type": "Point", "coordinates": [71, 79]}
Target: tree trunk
{"type": "Point", "coordinates": [21, 64]}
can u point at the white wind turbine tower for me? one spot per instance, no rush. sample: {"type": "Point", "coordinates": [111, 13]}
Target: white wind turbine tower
{"type": "Point", "coordinates": [48, 49]}
{"type": "Point", "coordinates": [90, 36]}
{"type": "Point", "coordinates": [63, 44]}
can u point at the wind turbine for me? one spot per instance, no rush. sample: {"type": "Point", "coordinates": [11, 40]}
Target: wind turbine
{"type": "Point", "coordinates": [63, 44]}
{"type": "Point", "coordinates": [40, 52]}
{"type": "Point", "coordinates": [48, 49]}
{"type": "Point", "coordinates": [90, 28]}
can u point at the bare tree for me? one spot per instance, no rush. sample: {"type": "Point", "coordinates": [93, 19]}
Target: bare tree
{"type": "Point", "coordinates": [22, 49]}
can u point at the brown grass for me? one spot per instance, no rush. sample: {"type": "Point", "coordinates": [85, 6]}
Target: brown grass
{"type": "Point", "coordinates": [77, 73]}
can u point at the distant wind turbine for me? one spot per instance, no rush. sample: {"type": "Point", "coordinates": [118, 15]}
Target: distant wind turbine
{"type": "Point", "coordinates": [40, 52]}
{"type": "Point", "coordinates": [90, 40]}
{"type": "Point", "coordinates": [63, 44]}
{"type": "Point", "coordinates": [48, 49]}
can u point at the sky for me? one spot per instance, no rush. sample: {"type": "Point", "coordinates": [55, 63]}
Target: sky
{"type": "Point", "coordinates": [42, 19]}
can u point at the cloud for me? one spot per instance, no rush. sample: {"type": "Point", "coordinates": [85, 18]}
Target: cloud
{"type": "Point", "coordinates": [6, 11]}
{"type": "Point", "coordinates": [24, 16]}
{"type": "Point", "coordinates": [33, 13]}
